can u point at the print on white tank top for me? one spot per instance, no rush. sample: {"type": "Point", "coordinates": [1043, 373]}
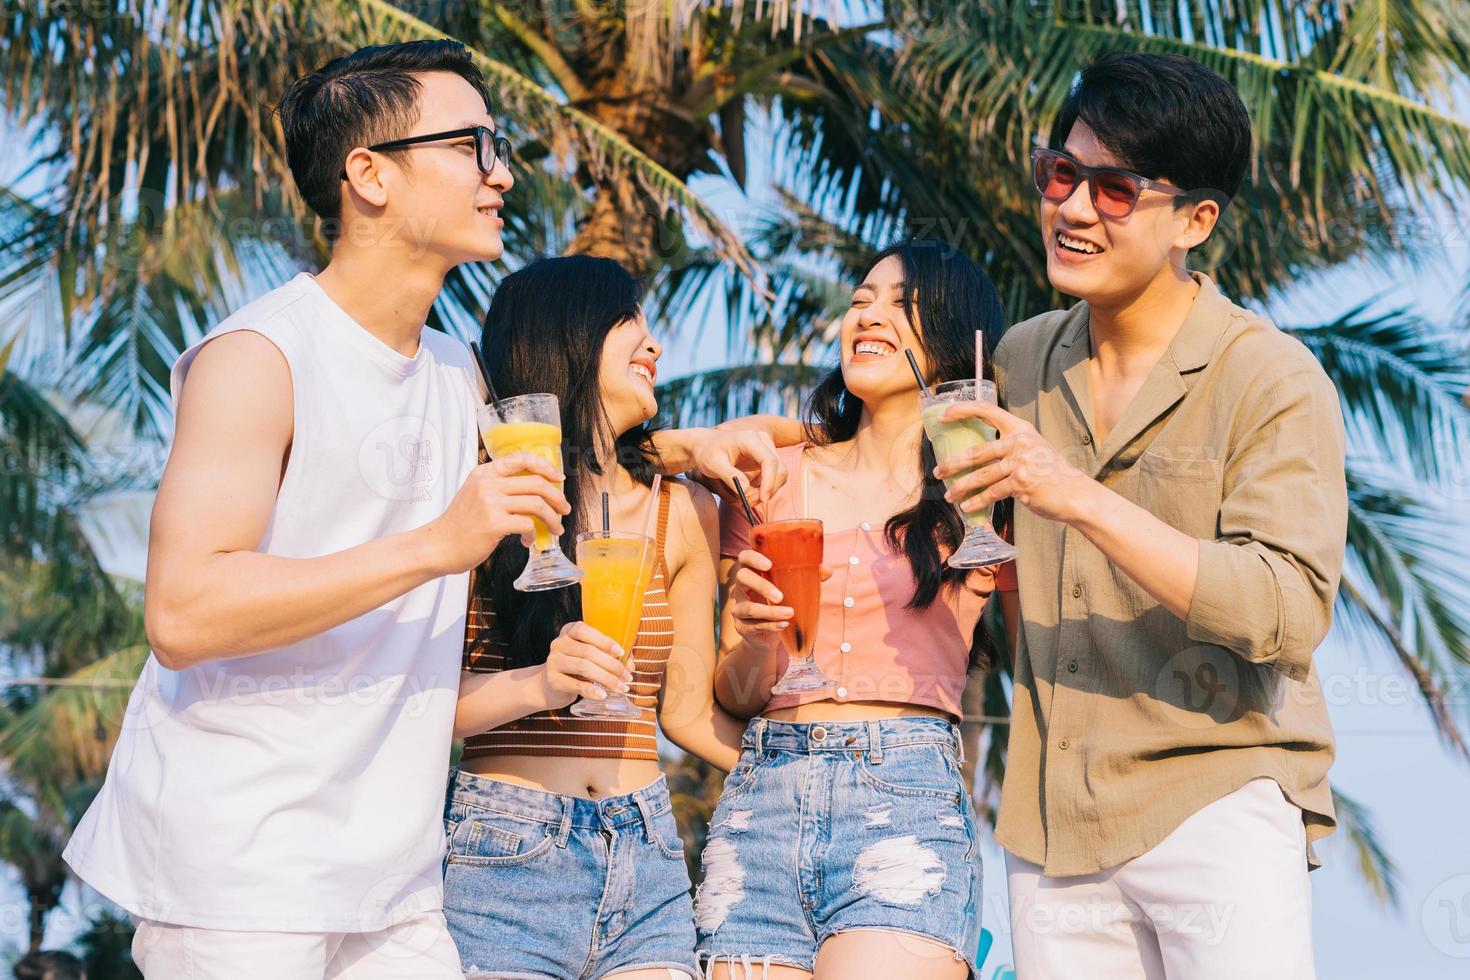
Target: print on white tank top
{"type": "Point", "coordinates": [301, 789]}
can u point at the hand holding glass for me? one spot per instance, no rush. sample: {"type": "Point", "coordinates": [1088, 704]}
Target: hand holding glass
{"type": "Point", "coordinates": [618, 566]}
{"type": "Point", "coordinates": [795, 550]}
{"type": "Point", "coordinates": [531, 424]}
{"type": "Point", "coordinates": [981, 546]}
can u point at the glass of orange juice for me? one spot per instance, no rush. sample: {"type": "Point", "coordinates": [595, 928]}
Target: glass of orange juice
{"type": "Point", "coordinates": [618, 567]}
{"type": "Point", "coordinates": [531, 424]}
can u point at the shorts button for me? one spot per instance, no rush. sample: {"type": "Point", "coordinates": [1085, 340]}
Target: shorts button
{"type": "Point", "coordinates": [819, 734]}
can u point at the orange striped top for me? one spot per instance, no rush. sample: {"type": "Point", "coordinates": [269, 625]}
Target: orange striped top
{"type": "Point", "coordinates": [561, 733]}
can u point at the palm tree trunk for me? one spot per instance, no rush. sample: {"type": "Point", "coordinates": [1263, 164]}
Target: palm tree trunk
{"type": "Point", "coordinates": [622, 226]}
{"type": "Point", "coordinates": [37, 910]}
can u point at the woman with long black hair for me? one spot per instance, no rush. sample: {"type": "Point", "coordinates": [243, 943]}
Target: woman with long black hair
{"type": "Point", "coordinates": [564, 859]}
{"type": "Point", "coordinates": [844, 843]}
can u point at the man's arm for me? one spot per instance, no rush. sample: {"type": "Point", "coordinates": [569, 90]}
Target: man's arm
{"type": "Point", "coordinates": [211, 595]}
{"type": "Point", "coordinates": [1265, 587]}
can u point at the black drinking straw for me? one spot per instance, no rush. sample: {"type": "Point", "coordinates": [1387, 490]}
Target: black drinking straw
{"type": "Point", "coordinates": [745, 502]}
{"type": "Point", "coordinates": [485, 377]}
{"type": "Point", "coordinates": [918, 375]}
{"type": "Point", "coordinates": [606, 519]}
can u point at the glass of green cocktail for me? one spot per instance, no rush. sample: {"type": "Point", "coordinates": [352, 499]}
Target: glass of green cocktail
{"type": "Point", "coordinates": [981, 546]}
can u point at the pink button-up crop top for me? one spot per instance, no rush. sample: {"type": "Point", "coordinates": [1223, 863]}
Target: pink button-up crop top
{"type": "Point", "coordinates": [867, 639]}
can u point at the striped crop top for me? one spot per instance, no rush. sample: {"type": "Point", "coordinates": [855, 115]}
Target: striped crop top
{"type": "Point", "coordinates": [561, 733]}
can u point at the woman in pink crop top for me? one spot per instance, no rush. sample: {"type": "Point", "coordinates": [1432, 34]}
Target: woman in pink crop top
{"type": "Point", "coordinates": [850, 799]}
{"type": "Point", "coordinates": [563, 855]}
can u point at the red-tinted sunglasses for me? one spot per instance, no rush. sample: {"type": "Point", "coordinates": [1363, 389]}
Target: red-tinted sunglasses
{"type": "Point", "coordinates": [1114, 192]}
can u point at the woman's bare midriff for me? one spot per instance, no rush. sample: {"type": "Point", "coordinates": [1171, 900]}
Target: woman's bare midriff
{"type": "Point", "coordinates": [853, 711]}
{"type": "Point", "coordinates": [589, 778]}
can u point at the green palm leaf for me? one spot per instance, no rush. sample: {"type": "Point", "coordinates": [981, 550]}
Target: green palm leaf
{"type": "Point", "coordinates": [1378, 870]}
{"type": "Point", "coordinates": [711, 397]}
{"type": "Point", "coordinates": [1404, 586]}
{"type": "Point", "coordinates": [64, 739]}
{"type": "Point", "coordinates": [1339, 160]}
{"type": "Point", "coordinates": [1401, 380]}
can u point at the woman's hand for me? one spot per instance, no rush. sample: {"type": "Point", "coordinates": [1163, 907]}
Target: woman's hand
{"type": "Point", "coordinates": [755, 601]}
{"type": "Point", "coordinates": [582, 663]}
{"type": "Point", "coordinates": [759, 619]}
{"type": "Point", "coordinates": [718, 457]}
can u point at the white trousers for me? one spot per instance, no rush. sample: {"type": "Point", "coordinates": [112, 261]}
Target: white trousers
{"type": "Point", "coordinates": [419, 948]}
{"type": "Point", "coordinates": [1223, 897]}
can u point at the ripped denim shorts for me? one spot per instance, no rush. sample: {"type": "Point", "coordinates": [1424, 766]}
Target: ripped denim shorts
{"type": "Point", "coordinates": [830, 827]}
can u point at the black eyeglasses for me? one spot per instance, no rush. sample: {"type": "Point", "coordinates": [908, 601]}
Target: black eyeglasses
{"type": "Point", "coordinates": [489, 147]}
{"type": "Point", "coordinates": [1114, 192]}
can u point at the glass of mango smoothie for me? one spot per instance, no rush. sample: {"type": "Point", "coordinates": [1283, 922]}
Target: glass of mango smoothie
{"type": "Point", "coordinates": [531, 424]}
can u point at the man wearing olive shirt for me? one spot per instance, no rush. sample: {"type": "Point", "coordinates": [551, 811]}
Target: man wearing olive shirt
{"type": "Point", "coordinates": [1178, 462]}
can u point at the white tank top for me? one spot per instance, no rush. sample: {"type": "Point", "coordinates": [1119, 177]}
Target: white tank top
{"type": "Point", "coordinates": [302, 789]}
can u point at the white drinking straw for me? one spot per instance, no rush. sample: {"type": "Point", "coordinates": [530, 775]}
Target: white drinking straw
{"type": "Point", "coordinates": [658, 478]}
{"type": "Point", "coordinates": [979, 357]}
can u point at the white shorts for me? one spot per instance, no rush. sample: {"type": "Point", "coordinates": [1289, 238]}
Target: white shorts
{"type": "Point", "coordinates": [419, 948]}
{"type": "Point", "coordinates": [1224, 896]}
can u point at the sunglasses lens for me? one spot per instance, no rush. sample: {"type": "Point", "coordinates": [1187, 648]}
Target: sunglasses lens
{"type": "Point", "coordinates": [1115, 194]}
{"type": "Point", "coordinates": [1056, 178]}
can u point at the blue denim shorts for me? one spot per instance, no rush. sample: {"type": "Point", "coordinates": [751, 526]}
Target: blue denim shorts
{"type": "Point", "coordinates": [539, 885]}
{"type": "Point", "coordinates": [837, 826]}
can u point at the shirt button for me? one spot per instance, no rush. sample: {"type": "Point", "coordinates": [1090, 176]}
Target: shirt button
{"type": "Point", "coordinates": [1063, 744]}
{"type": "Point", "coordinates": [1072, 667]}
{"type": "Point", "coordinates": [846, 647]}
{"type": "Point", "coordinates": [865, 526]}
{"type": "Point", "coordinates": [853, 560]}
{"type": "Point", "coordinates": [1087, 438]}
{"type": "Point", "coordinates": [848, 602]}
{"type": "Point", "coordinates": [1076, 592]}
{"type": "Point", "coordinates": [842, 692]}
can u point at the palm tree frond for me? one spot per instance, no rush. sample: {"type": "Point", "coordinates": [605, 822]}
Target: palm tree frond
{"type": "Point", "coordinates": [1376, 867]}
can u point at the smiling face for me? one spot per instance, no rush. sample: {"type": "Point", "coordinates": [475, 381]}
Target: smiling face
{"type": "Point", "coordinates": [433, 196]}
{"type": "Point", "coordinates": [1110, 261]}
{"type": "Point", "coordinates": [875, 331]}
{"type": "Point", "coordinates": [628, 373]}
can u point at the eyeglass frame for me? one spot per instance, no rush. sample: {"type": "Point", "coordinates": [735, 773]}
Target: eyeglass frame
{"type": "Point", "coordinates": [1086, 173]}
{"type": "Point", "coordinates": [497, 144]}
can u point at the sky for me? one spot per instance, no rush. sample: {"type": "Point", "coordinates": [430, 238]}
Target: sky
{"type": "Point", "coordinates": [1388, 755]}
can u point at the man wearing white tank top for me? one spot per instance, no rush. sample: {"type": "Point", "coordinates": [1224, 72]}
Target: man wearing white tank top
{"type": "Point", "coordinates": [273, 805]}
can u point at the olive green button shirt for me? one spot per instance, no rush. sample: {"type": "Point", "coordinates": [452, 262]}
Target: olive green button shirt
{"type": "Point", "coordinates": [1127, 719]}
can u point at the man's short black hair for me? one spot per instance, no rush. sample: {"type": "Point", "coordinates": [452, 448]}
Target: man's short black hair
{"type": "Point", "coordinates": [366, 97]}
{"type": "Point", "coordinates": [1166, 117]}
